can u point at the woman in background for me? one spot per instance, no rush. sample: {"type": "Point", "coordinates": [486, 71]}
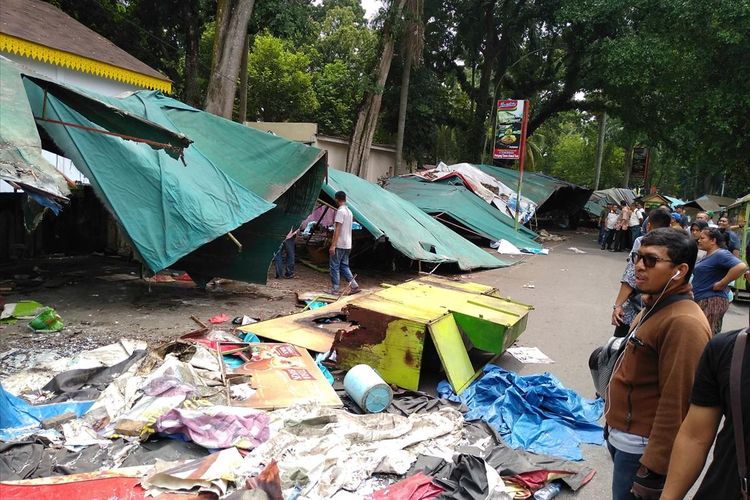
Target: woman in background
{"type": "Point", "coordinates": [712, 276]}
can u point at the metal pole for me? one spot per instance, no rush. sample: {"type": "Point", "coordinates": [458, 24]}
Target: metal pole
{"type": "Point", "coordinates": [600, 149]}
{"type": "Point", "coordinates": [522, 159]}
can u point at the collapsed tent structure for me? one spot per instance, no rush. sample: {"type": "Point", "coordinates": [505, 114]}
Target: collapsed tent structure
{"type": "Point", "coordinates": [461, 210]}
{"type": "Point", "coordinates": [217, 209]}
{"type": "Point", "coordinates": [554, 197]}
{"type": "Point", "coordinates": [487, 187]}
{"type": "Point", "coordinates": [599, 199]}
{"type": "Point", "coordinates": [21, 161]}
{"type": "Point", "coordinates": [408, 229]}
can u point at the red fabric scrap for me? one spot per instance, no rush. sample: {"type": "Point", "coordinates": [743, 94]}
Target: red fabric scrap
{"type": "Point", "coordinates": [219, 318]}
{"type": "Point", "coordinates": [416, 487]}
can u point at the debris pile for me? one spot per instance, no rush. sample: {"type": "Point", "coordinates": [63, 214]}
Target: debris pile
{"type": "Point", "coordinates": [217, 413]}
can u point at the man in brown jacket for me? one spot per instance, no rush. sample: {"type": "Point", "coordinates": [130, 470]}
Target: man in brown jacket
{"type": "Point", "coordinates": [649, 393]}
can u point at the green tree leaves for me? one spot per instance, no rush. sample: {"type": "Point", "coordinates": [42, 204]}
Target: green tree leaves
{"type": "Point", "coordinates": [280, 87]}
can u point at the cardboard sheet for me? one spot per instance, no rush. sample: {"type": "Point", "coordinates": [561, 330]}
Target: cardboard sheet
{"type": "Point", "coordinates": [281, 375]}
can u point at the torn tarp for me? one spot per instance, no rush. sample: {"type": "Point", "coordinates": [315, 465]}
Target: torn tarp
{"type": "Point", "coordinates": [535, 412]}
{"type": "Point", "coordinates": [19, 418]}
{"type": "Point", "coordinates": [408, 229]}
{"type": "Point", "coordinates": [551, 195]}
{"type": "Point", "coordinates": [216, 427]}
{"type": "Point", "coordinates": [233, 179]}
{"type": "Point", "coordinates": [21, 160]}
{"type": "Point", "coordinates": [461, 210]}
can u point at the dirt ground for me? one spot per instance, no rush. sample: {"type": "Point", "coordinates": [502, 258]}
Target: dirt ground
{"type": "Point", "coordinates": [102, 299]}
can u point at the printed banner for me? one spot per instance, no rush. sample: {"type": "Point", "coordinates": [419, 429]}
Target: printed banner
{"type": "Point", "coordinates": [639, 168]}
{"type": "Point", "coordinates": [509, 129]}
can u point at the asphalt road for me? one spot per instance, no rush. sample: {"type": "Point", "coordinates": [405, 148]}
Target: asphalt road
{"type": "Point", "coordinates": [572, 295]}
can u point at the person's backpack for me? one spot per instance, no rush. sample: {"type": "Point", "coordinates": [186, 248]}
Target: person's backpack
{"type": "Point", "coordinates": [735, 403]}
{"type": "Point", "coordinates": [603, 360]}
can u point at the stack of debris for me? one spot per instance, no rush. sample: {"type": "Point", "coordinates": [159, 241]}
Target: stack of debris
{"type": "Point", "coordinates": [217, 413]}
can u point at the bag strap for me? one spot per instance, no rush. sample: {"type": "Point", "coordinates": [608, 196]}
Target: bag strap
{"type": "Point", "coordinates": [664, 303]}
{"type": "Point", "coordinates": [735, 372]}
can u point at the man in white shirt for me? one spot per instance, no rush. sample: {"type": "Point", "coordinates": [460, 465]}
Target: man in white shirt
{"type": "Point", "coordinates": [341, 246]}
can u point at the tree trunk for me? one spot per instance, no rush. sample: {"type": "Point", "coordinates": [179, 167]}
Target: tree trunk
{"type": "Point", "coordinates": [483, 103]}
{"type": "Point", "coordinates": [367, 117]}
{"type": "Point", "coordinates": [402, 103]}
{"type": "Point", "coordinates": [628, 166]}
{"type": "Point", "coordinates": [232, 17]}
{"type": "Point", "coordinates": [600, 149]}
{"type": "Point", "coordinates": [242, 115]}
{"type": "Point", "coordinates": [192, 44]}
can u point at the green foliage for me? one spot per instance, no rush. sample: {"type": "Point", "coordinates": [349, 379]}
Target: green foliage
{"type": "Point", "coordinates": [279, 84]}
{"type": "Point", "coordinates": [291, 20]}
{"type": "Point", "coordinates": [341, 57]}
{"type": "Point", "coordinates": [673, 75]}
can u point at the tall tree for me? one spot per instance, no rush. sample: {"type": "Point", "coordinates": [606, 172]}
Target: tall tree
{"type": "Point", "coordinates": [358, 154]}
{"type": "Point", "coordinates": [412, 47]}
{"type": "Point", "coordinates": [232, 17]}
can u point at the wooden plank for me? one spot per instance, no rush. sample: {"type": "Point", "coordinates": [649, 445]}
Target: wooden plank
{"type": "Point", "coordinates": [453, 355]}
{"type": "Point", "coordinates": [300, 329]}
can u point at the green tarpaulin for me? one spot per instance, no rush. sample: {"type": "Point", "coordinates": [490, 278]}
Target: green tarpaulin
{"type": "Point", "coordinates": [463, 207]}
{"type": "Point", "coordinates": [408, 229]}
{"type": "Point", "coordinates": [549, 193]}
{"type": "Point", "coordinates": [231, 179]}
{"type": "Point", "coordinates": [21, 160]}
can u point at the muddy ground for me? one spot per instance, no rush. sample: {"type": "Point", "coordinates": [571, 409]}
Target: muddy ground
{"type": "Point", "coordinates": [103, 298]}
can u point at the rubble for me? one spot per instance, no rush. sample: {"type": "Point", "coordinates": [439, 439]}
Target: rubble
{"type": "Point", "coordinates": [251, 419]}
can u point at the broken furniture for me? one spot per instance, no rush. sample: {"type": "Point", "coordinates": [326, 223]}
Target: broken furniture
{"type": "Point", "coordinates": [387, 329]}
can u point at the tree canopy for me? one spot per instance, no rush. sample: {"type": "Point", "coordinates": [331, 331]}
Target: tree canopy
{"type": "Point", "coordinates": [672, 75]}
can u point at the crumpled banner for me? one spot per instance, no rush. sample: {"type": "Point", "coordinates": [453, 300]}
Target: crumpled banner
{"type": "Point", "coordinates": [211, 474]}
{"type": "Point", "coordinates": [536, 412]}
{"type": "Point", "coordinates": [323, 450]}
{"type": "Point", "coordinates": [217, 427]}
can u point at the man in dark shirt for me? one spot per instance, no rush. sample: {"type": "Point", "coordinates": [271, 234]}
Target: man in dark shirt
{"type": "Point", "coordinates": [710, 401]}
{"type": "Point", "coordinates": [733, 241]}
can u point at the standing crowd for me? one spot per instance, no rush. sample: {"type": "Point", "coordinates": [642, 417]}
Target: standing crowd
{"type": "Point", "coordinates": [674, 376]}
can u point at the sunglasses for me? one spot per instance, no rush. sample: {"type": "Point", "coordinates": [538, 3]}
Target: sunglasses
{"type": "Point", "coordinates": [648, 260]}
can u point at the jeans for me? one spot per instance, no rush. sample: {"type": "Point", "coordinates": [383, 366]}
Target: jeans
{"type": "Point", "coordinates": [635, 232]}
{"type": "Point", "coordinates": [623, 473]}
{"type": "Point", "coordinates": [608, 239]}
{"type": "Point", "coordinates": [339, 263]}
{"type": "Point", "coordinates": [602, 235]}
{"type": "Point", "coordinates": [286, 249]}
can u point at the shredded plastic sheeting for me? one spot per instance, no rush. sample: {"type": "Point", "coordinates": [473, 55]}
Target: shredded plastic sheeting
{"type": "Point", "coordinates": [535, 412]}
{"type": "Point", "coordinates": [18, 418]}
{"type": "Point", "coordinates": [21, 159]}
{"type": "Point", "coordinates": [463, 206]}
{"type": "Point", "coordinates": [411, 231]}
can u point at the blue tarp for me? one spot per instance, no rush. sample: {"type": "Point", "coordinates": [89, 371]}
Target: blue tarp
{"type": "Point", "coordinates": [17, 416]}
{"type": "Point", "coordinates": [535, 412]}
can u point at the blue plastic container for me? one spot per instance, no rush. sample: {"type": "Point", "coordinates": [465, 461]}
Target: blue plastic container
{"type": "Point", "coordinates": [367, 389]}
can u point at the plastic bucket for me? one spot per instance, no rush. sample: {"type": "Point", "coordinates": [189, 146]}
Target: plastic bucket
{"type": "Point", "coordinates": [367, 389]}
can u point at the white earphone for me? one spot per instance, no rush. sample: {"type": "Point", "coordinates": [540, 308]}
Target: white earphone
{"type": "Point", "coordinates": [675, 275]}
